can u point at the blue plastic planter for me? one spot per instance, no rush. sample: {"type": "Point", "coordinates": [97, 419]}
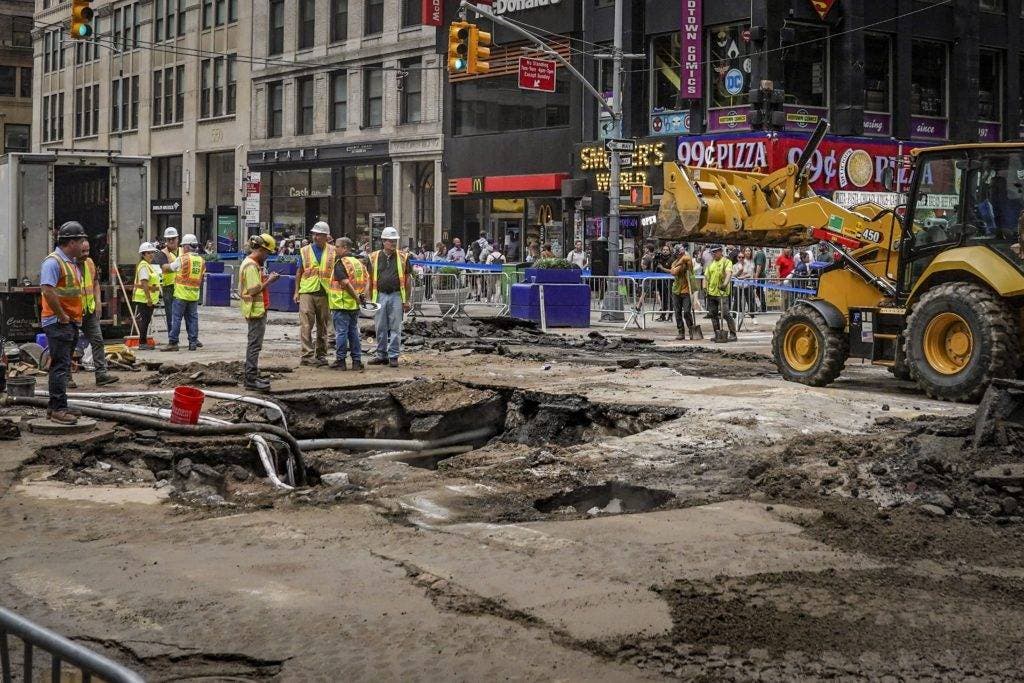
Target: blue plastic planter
{"type": "Point", "coordinates": [550, 276]}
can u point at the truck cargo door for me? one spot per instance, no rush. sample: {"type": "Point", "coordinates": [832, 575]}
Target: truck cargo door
{"type": "Point", "coordinates": [131, 199]}
{"type": "Point", "coordinates": [34, 197]}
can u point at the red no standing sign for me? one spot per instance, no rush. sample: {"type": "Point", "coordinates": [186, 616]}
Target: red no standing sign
{"type": "Point", "coordinates": [536, 74]}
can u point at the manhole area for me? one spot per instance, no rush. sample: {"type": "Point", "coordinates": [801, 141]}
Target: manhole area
{"type": "Point", "coordinates": [611, 498]}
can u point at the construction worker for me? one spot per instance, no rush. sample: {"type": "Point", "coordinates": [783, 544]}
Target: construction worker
{"type": "Point", "coordinates": [717, 278]}
{"type": "Point", "coordinates": [147, 291]}
{"type": "Point", "coordinates": [311, 286]}
{"type": "Point", "coordinates": [252, 290]}
{"type": "Point", "coordinates": [91, 311]}
{"type": "Point", "coordinates": [347, 292]}
{"type": "Point", "coordinates": [682, 301]}
{"type": "Point", "coordinates": [389, 287]}
{"type": "Point", "coordinates": [62, 310]}
{"type": "Point", "coordinates": [169, 254]}
{"type": "Point", "coordinates": [189, 269]}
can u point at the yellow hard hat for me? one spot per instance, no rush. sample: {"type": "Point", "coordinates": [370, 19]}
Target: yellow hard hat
{"type": "Point", "coordinates": [264, 241]}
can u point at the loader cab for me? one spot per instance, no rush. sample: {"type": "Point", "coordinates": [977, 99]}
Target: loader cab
{"type": "Point", "coordinates": [963, 196]}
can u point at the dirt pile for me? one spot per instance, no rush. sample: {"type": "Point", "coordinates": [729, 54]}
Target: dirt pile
{"type": "Point", "coordinates": [218, 374]}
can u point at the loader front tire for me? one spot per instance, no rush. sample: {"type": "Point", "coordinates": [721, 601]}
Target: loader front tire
{"type": "Point", "coordinates": [960, 336]}
{"type": "Point", "coordinates": [806, 349]}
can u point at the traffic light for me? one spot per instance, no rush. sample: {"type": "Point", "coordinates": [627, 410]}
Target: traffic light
{"type": "Point", "coordinates": [479, 51]}
{"type": "Point", "coordinates": [458, 47]}
{"type": "Point", "coordinates": [81, 19]}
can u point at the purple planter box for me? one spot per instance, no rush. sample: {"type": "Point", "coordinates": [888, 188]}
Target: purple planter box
{"type": "Point", "coordinates": [551, 276]}
{"type": "Point", "coordinates": [214, 266]}
{"type": "Point", "coordinates": [283, 268]}
{"type": "Point", "coordinates": [564, 305]}
{"type": "Point", "coordinates": [218, 289]}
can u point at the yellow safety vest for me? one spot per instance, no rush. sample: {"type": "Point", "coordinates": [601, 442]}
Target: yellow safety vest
{"type": "Point", "coordinates": [316, 275]}
{"type": "Point", "coordinates": [167, 279]}
{"type": "Point", "coordinates": [402, 256]}
{"type": "Point", "coordinates": [250, 275]}
{"type": "Point", "coordinates": [338, 298]}
{"type": "Point", "coordinates": [88, 290]}
{"type": "Point", "coordinates": [139, 296]}
{"type": "Point", "coordinates": [714, 277]}
{"type": "Point", "coordinates": [189, 277]}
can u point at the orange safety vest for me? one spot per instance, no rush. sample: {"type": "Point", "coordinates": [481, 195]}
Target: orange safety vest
{"type": "Point", "coordinates": [402, 275]}
{"type": "Point", "coordinates": [69, 291]}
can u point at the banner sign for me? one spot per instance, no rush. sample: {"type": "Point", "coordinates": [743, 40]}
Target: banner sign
{"type": "Point", "coordinates": [840, 163]}
{"type": "Point", "coordinates": [822, 7]}
{"type": "Point", "coordinates": [691, 38]}
{"type": "Point", "coordinates": [433, 12]}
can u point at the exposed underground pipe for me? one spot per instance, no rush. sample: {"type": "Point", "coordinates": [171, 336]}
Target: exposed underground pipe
{"type": "Point", "coordinates": [188, 430]}
{"type": "Point", "coordinates": [243, 398]}
{"type": "Point", "coordinates": [145, 411]}
{"type": "Point", "coordinates": [398, 455]}
{"type": "Point", "coordinates": [397, 444]}
{"type": "Point", "coordinates": [263, 448]}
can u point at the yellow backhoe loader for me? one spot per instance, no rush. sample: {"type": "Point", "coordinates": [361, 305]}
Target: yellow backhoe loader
{"type": "Point", "coordinates": [933, 291]}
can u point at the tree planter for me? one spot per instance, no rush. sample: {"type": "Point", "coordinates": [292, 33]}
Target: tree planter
{"type": "Point", "coordinates": [552, 276]}
{"type": "Point", "coordinates": [282, 267]}
{"type": "Point", "coordinates": [449, 300]}
{"type": "Point", "coordinates": [214, 266]}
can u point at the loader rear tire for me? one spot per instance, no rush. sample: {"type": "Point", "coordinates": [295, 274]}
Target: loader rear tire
{"type": "Point", "coordinates": [806, 349]}
{"type": "Point", "coordinates": [960, 336]}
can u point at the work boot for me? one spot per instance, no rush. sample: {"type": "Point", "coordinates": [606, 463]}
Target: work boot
{"type": "Point", "coordinates": [61, 417]}
{"type": "Point", "coordinates": [680, 337]}
{"type": "Point", "coordinates": [193, 347]}
{"type": "Point", "coordinates": [357, 366]}
{"type": "Point", "coordinates": [393, 362]}
{"type": "Point", "coordinates": [170, 347]}
{"type": "Point", "coordinates": [733, 337]}
{"type": "Point", "coordinates": [199, 344]}
{"type": "Point", "coordinates": [72, 384]}
{"type": "Point", "coordinates": [377, 360]}
{"type": "Point", "coordinates": [321, 362]}
{"type": "Point", "coordinates": [146, 347]}
{"type": "Point", "coordinates": [103, 379]}
{"type": "Point", "coordinates": [257, 384]}
{"type": "Point", "coordinates": [340, 365]}
{"type": "Point", "coordinates": [696, 333]}
{"type": "Point", "coordinates": [721, 336]}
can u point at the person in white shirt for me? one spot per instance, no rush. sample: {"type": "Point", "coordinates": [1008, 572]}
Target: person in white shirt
{"type": "Point", "coordinates": [578, 257]}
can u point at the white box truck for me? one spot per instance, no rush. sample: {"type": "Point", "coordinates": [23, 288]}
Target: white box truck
{"type": "Point", "coordinates": [107, 193]}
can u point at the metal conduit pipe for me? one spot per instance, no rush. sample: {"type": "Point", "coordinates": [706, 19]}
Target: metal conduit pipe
{"type": "Point", "coordinates": [187, 430]}
{"type": "Point", "coordinates": [397, 444]}
{"type": "Point", "coordinates": [263, 448]}
{"type": "Point", "coordinates": [398, 455]}
{"type": "Point", "coordinates": [242, 398]}
{"type": "Point", "coordinates": [145, 411]}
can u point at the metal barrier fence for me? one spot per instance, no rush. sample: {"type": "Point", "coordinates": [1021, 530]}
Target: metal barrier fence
{"type": "Point", "coordinates": [60, 650]}
{"type": "Point", "coordinates": [768, 296]}
{"type": "Point", "coordinates": [450, 295]}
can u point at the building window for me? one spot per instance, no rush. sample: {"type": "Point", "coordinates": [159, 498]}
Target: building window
{"type": "Point", "coordinates": [204, 92]}
{"type": "Point", "coordinates": [53, 117]}
{"type": "Point", "coordinates": [26, 82]}
{"type": "Point", "coordinates": [226, 12]}
{"type": "Point", "coordinates": [158, 20]}
{"type": "Point", "coordinates": [990, 86]}
{"type": "Point", "coordinates": [89, 50]}
{"type": "Point", "coordinates": [21, 32]}
{"type": "Point", "coordinates": [87, 111]}
{"type": "Point", "coordinates": [220, 15]}
{"type": "Point", "coordinates": [207, 13]}
{"type": "Point", "coordinates": [125, 35]}
{"type": "Point", "coordinates": [339, 100]}
{"type": "Point", "coordinates": [412, 91]}
{"type": "Point", "coordinates": [168, 19]}
{"type": "Point", "coordinates": [276, 45]}
{"type": "Point", "coordinates": [232, 86]}
{"type": "Point", "coordinates": [805, 67]}
{"type": "Point", "coordinates": [307, 23]}
{"type": "Point", "coordinates": [373, 96]}
{"type": "Point", "coordinates": [8, 80]}
{"type": "Point", "coordinates": [304, 108]}
{"type": "Point", "coordinates": [168, 95]}
{"type": "Point", "coordinates": [115, 106]}
{"type": "Point", "coordinates": [877, 73]}
{"type": "Point", "coordinates": [124, 104]}
{"type": "Point", "coordinates": [412, 13]}
{"type": "Point", "coordinates": [339, 20]}
{"type": "Point", "coordinates": [665, 54]}
{"type": "Point", "coordinates": [928, 78]}
{"type": "Point", "coordinates": [16, 137]}
{"type": "Point", "coordinates": [53, 51]}
{"type": "Point", "coordinates": [374, 22]}
{"type": "Point", "coordinates": [484, 105]}
{"type": "Point", "coordinates": [727, 52]}
{"type": "Point", "coordinates": [217, 87]}
{"type": "Point", "coordinates": [275, 109]}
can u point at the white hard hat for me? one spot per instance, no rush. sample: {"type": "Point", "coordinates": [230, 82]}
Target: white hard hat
{"type": "Point", "coordinates": [389, 233]}
{"type": "Point", "coordinates": [190, 241]}
{"type": "Point", "coordinates": [321, 228]}
{"type": "Point", "coordinates": [147, 247]}
{"type": "Point", "coordinates": [170, 233]}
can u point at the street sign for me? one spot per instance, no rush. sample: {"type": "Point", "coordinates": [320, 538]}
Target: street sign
{"type": "Point", "coordinates": [625, 161]}
{"type": "Point", "coordinates": [537, 74]}
{"type": "Point", "coordinates": [628, 146]}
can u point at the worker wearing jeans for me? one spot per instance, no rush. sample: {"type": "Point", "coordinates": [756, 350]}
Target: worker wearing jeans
{"type": "Point", "coordinates": [91, 329]}
{"type": "Point", "coordinates": [348, 282]}
{"type": "Point", "coordinates": [389, 288]}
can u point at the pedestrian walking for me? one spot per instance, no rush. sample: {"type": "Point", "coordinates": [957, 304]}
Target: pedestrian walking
{"type": "Point", "coordinates": [578, 257]}
{"type": "Point", "coordinates": [255, 297]}
{"type": "Point", "coordinates": [546, 252]}
{"type": "Point", "coordinates": [389, 287]}
{"type": "Point", "coordinates": [92, 306]}
{"type": "Point", "coordinates": [311, 286]}
{"type": "Point", "coordinates": [717, 278]}
{"type": "Point", "coordinates": [663, 264]}
{"type": "Point", "coordinates": [188, 270]}
{"type": "Point", "coordinates": [760, 273]}
{"type": "Point", "coordinates": [456, 254]}
{"type": "Point", "coordinates": [348, 287]}
{"type": "Point", "coordinates": [169, 254]}
{"type": "Point", "coordinates": [682, 296]}
{"type": "Point", "coordinates": [146, 293]}
{"type": "Point", "coordinates": [62, 309]}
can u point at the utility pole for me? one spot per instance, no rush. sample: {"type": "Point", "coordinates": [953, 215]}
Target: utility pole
{"type": "Point", "coordinates": [614, 186]}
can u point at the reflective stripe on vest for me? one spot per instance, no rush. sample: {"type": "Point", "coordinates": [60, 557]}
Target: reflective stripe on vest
{"type": "Point", "coordinates": [68, 289]}
{"type": "Point", "coordinates": [139, 295]}
{"type": "Point", "coordinates": [252, 305]}
{"type": "Point", "coordinates": [338, 298]}
{"type": "Point", "coordinates": [167, 279]}
{"type": "Point", "coordinates": [189, 277]}
{"type": "Point", "coordinates": [316, 275]}
{"type": "Point", "coordinates": [88, 290]}
{"type": "Point", "coordinates": [401, 274]}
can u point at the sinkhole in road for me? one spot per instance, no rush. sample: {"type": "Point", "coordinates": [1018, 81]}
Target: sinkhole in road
{"type": "Point", "coordinates": [609, 498]}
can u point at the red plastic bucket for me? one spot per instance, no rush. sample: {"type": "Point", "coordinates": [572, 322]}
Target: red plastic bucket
{"type": "Point", "coordinates": [186, 404]}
